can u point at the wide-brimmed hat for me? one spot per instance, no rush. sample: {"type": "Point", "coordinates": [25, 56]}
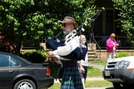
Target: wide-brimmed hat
{"type": "Point", "coordinates": [69, 19]}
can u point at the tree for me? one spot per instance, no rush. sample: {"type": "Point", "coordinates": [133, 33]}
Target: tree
{"type": "Point", "coordinates": [126, 8]}
{"type": "Point", "coordinates": [29, 21]}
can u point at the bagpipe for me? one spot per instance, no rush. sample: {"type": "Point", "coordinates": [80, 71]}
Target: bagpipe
{"type": "Point", "coordinates": [76, 54]}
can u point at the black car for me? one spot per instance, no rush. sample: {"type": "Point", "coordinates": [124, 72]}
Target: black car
{"type": "Point", "coordinates": [18, 73]}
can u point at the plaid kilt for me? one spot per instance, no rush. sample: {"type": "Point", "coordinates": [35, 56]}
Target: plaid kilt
{"type": "Point", "coordinates": [71, 78]}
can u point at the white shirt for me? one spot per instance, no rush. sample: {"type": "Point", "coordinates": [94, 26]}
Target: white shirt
{"type": "Point", "coordinates": [85, 62]}
{"type": "Point", "coordinates": [68, 48]}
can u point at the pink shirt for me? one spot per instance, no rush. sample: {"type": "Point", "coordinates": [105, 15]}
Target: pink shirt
{"type": "Point", "coordinates": [110, 45]}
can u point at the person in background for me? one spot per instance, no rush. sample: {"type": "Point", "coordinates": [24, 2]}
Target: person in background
{"type": "Point", "coordinates": [111, 46]}
{"type": "Point", "coordinates": [71, 78]}
{"type": "Point", "coordinates": [83, 64]}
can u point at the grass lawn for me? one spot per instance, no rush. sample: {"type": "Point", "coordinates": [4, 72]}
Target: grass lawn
{"type": "Point", "coordinates": [98, 62]}
{"type": "Point", "coordinates": [97, 83]}
{"type": "Point", "coordinates": [94, 72]}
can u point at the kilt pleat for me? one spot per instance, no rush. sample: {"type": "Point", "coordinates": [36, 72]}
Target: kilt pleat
{"type": "Point", "coordinates": [71, 78]}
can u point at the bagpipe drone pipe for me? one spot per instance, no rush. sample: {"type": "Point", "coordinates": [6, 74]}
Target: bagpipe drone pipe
{"type": "Point", "coordinates": [76, 54]}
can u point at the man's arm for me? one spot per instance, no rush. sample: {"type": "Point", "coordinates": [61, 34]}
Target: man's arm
{"type": "Point", "coordinates": [68, 48]}
{"type": "Point", "coordinates": [80, 66]}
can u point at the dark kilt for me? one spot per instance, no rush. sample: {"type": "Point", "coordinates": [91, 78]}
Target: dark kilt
{"type": "Point", "coordinates": [71, 78]}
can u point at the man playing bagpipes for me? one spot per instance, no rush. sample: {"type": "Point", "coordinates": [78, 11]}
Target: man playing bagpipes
{"type": "Point", "coordinates": [71, 78]}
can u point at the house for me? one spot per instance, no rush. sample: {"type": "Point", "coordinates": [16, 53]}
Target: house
{"type": "Point", "coordinates": [105, 24]}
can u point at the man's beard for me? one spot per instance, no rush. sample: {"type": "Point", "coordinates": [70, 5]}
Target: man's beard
{"type": "Point", "coordinates": [67, 31]}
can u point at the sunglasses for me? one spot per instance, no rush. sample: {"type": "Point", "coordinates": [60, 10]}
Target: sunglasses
{"type": "Point", "coordinates": [64, 25]}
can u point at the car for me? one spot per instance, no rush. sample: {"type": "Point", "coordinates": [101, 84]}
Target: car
{"type": "Point", "coordinates": [120, 72]}
{"type": "Point", "coordinates": [19, 73]}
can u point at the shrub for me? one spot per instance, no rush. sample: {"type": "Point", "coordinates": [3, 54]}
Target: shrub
{"type": "Point", "coordinates": [123, 54]}
{"type": "Point", "coordinates": [35, 56]}
{"type": "Point", "coordinates": [54, 68]}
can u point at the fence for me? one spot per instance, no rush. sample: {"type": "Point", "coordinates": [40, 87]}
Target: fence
{"type": "Point", "coordinates": [100, 41]}
{"type": "Point", "coordinates": [123, 41]}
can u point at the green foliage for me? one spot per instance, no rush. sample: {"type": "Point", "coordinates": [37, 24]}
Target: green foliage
{"type": "Point", "coordinates": [123, 54]}
{"type": "Point", "coordinates": [126, 8]}
{"type": "Point", "coordinates": [35, 56]}
{"type": "Point", "coordinates": [30, 21]}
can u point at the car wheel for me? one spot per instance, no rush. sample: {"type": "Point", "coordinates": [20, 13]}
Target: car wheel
{"type": "Point", "coordinates": [24, 84]}
{"type": "Point", "coordinates": [121, 86]}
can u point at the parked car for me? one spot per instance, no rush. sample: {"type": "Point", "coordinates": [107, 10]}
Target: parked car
{"type": "Point", "coordinates": [18, 73]}
{"type": "Point", "coordinates": [120, 71]}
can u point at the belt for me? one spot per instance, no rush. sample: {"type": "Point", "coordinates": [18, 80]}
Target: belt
{"type": "Point", "coordinates": [69, 63]}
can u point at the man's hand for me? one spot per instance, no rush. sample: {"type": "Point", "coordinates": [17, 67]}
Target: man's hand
{"type": "Point", "coordinates": [82, 69]}
{"type": "Point", "coordinates": [50, 53]}
{"type": "Point", "coordinates": [52, 58]}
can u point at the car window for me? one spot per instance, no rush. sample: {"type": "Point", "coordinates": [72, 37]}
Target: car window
{"type": "Point", "coordinates": [13, 62]}
{"type": "Point", "coordinates": [28, 62]}
{"type": "Point", "coordinates": [6, 61]}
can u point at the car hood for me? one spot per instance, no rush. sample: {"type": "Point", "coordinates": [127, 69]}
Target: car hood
{"type": "Point", "coordinates": [129, 58]}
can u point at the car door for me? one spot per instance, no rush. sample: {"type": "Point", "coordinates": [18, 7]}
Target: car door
{"type": "Point", "coordinates": [9, 68]}
{"type": "Point", "coordinates": [4, 68]}
{"type": "Point", "coordinates": [13, 70]}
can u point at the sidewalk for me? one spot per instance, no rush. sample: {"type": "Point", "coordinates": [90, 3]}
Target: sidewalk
{"type": "Point", "coordinates": [88, 79]}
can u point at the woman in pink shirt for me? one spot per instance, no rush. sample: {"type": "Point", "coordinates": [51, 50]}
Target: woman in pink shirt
{"type": "Point", "coordinates": [111, 46]}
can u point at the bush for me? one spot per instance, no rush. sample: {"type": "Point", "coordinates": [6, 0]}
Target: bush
{"type": "Point", "coordinates": [123, 54]}
{"type": "Point", "coordinates": [54, 68]}
{"type": "Point", "coordinates": [35, 56]}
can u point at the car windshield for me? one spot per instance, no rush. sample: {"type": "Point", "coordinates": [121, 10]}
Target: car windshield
{"type": "Point", "coordinates": [28, 62]}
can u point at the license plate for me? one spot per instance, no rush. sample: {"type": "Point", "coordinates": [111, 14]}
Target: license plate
{"type": "Point", "coordinates": [107, 73]}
